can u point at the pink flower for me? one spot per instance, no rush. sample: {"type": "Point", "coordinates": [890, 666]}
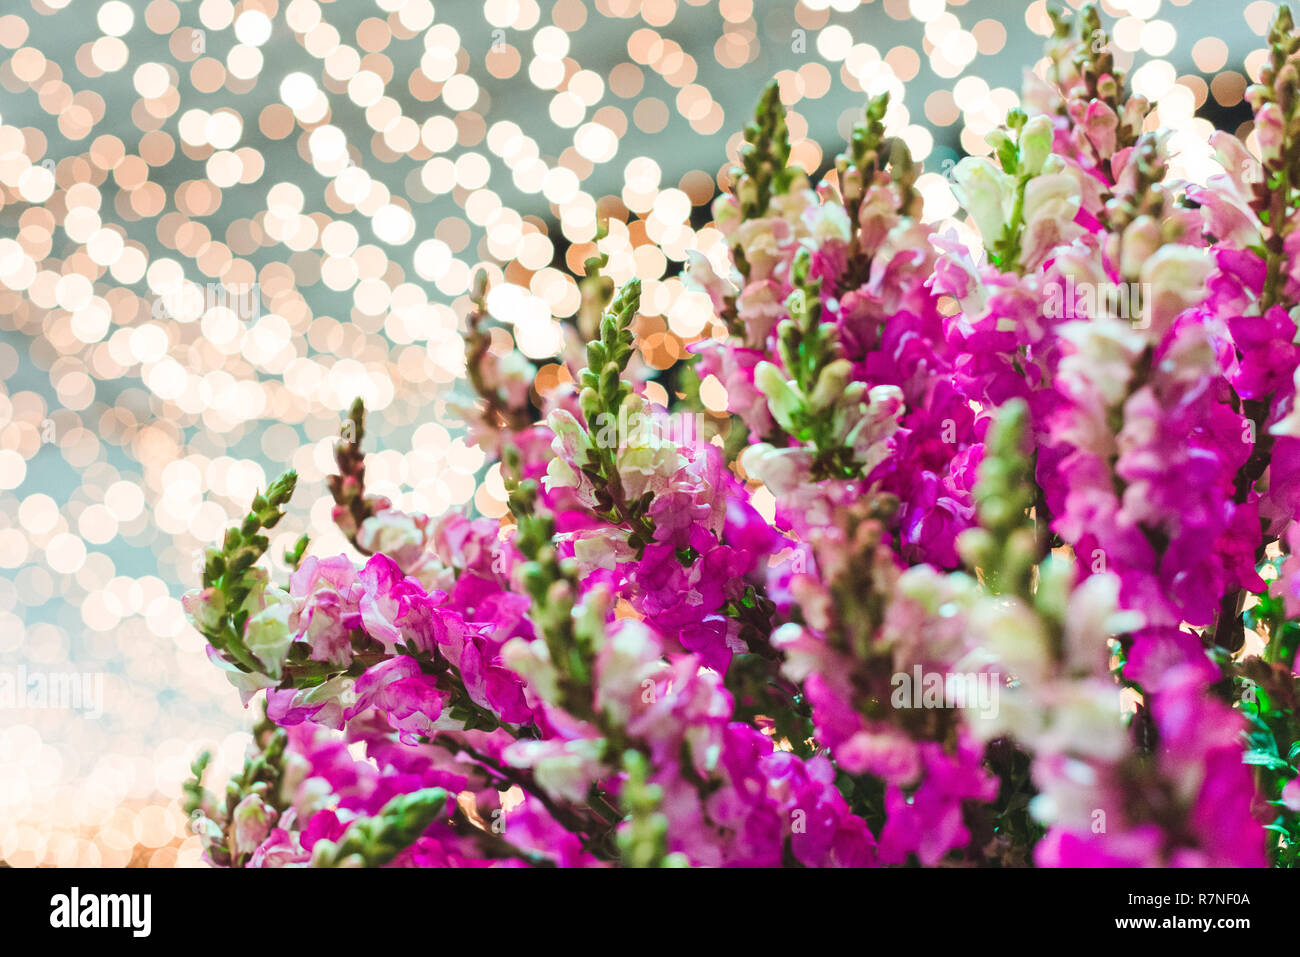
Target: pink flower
{"type": "Point", "coordinates": [410, 698]}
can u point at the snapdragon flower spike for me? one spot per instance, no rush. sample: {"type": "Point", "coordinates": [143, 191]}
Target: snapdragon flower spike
{"type": "Point", "coordinates": [352, 506]}
{"type": "Point", "coordinates": [218, 609]}
{"type": "Point", "coordinates": [923, 766]}
{"type": "Point", "coordinates": [858, 165]}
{"type": "Point", "coordinates": [1092, 87]}
{"type": "Point", "coordinates": [836, 285]}
{"type": "Point", "coordinates": [1269, 400]}
{"type": "Point", "coordinates": [1253, 213]}
{"type": "Point", "coordinates": [810, 353]}
{"type": "Point", "coordinates": [549, 581]}
{"type": "Point", "coordinates": [1003, 546]}
{"type": "Point", "coordinates": [861, 169]}
{"type": "Point", "coordinates": [1276, 193]}
{"type": "Point", "coordinates": [231, 831]}
{"type": "Point", "coordinates": [603, 395]}
{"type": "Point", "coordinates": [603, 389]}
{"type": "Point", "coordinates": [375, 841]}
{"type": "Point", "coordinates": [595, 289]}
{"type": "Point", "coordinates": [502, 383]}
{"type": "Point", "coordinates": [643, 839]}
{"type": "Point", "coordinates": [764, 170]}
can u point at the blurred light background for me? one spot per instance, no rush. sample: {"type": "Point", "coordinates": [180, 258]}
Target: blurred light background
{"type": "Point", "coordinates": [220, 222]}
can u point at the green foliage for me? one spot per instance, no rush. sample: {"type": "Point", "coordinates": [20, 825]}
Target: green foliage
{"type": "Point", "coordinates": [1268, 695]}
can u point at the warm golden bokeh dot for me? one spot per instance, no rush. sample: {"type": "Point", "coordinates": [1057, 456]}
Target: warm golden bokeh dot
{"type": "Point", "coordinates": [650, 115]}
{"type": "Point", "coordinates": [1228, 88]}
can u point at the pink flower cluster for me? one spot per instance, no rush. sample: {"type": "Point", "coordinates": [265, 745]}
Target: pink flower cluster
{"type": "Point", "coordinates": [991, 560]}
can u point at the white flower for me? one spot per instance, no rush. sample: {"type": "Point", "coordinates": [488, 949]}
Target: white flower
{"type": "Point", "coordinates": [1087, 721]}
{"type": "Point", "coordinates": [1014, 635]}
{"type": "Point", "coordinates": [986, 193]}
{"type": "Point", "coordinates": [560, 474]}
{"type": "Point", "coordinates": [1092, 618]}
{"type": "Point", "coordinates": [627, 665]}
{"type": "Point", "coordinates": [828, 222]}
{"type": "Point", "coordinates": [400, 536]}
{"type": "Point", "coordinates": [875, 423]}
{"type": "Point", "coordinates": [702, 275]}
{"type": "Point", "coordinates": [564, 769]}
{"type": "Point", "coordinates": [783, 471]}
{"type": "Point", "coordinates": [267, 634]}
{"type": "Point", "coordinates": [1176, 275]}
{"type": "Point", "coordinates": [1105, 352]}
{"type": "Point", "coordinates": [253, 819]}
{"type": "Point", "coordinates": [763, 243]}
{"type": "Point", "coordinates": [602, 548]}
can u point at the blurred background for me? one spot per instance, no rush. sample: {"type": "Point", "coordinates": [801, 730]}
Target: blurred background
{"type": "Point", "coordinates": [220, 222]}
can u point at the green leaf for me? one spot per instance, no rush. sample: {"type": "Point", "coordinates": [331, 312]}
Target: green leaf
{"type": "Point", "coordinates": [1264, 759]}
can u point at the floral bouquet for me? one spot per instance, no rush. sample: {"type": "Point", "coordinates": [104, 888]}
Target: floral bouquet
{"type": "Point", "coordinates": [993, 559]}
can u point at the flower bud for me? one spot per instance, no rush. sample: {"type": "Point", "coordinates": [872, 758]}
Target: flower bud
{"type": "Point", "coordinates": [1270, 126]}
{"type": "Point", "coordinates": [1141, 240]}
{"type": "Point", "coordinates": [830, 385]}
{"type": "Point", "coordinates": [205, 609]}
{"type": "Point", "coordinates": [1035, 144]}
{"type": "Point", "coordinates": [253, 819]}
{"type": "Point", "coordinates": [783, 397]}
